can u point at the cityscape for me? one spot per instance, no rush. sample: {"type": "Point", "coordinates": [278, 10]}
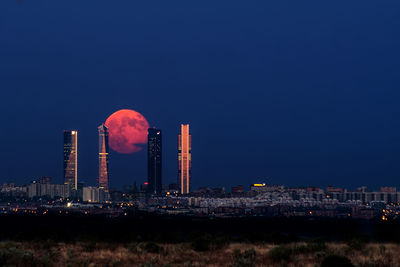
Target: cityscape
{"type": "Point", "coordinates": [199, 133]}
{"type": "Point", "coordinates": [257, 199]}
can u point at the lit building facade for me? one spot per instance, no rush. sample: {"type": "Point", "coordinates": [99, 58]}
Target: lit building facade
{"type": "Point", "coordinates": [154, 160]}
{"type": "Point", "coordinates": [71, 159]}
{"type": "Point", "coordinates": [93, 194]}
{"type": "Point", "coordinates": [184, 159]}
{"type": "Point", "coordinates": [103, 157]}
{"type": "Point", "coordinates": [42, 188]}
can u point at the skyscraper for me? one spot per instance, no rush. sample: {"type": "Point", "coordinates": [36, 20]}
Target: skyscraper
{"type": "Point", "coordinates": [103, 157]}
{"type": "Point", "coordinates": [154, 151]}
{"type": "Point", "coordinates": [184, 159]}
{"type": "Point", "coordinates": [71, 159]}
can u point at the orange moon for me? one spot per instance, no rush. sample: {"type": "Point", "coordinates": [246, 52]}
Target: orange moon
{"type": "Point", "coordinates": [127, 131]}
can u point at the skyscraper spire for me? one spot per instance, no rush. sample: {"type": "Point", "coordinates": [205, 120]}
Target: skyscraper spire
{"type": "Point", "coordinates": [103, 157]}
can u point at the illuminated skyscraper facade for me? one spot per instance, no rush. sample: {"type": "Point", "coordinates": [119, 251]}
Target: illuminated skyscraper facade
{"type": "Point", "coordinates": [71, 159]}
{"type": "Point", "coordinates": [154, 151]}
{"type": "Point", "coordinates": [184, 159]}
{"type": "Point", "coordinates": [103, 157]}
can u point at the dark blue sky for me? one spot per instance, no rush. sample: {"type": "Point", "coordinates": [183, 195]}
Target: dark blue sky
{"type": "Point", "coordinates": [287, 92]}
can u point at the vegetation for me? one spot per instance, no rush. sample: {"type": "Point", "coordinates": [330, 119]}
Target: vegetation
{"type": "Point", "coordinates": [246, 259]}
{"type": "Point", "coordinates": [336, 260]}
{"type": "Point", "coordinates": [163, 254]}
{"type": "Point", "coordinates": [152, 240]}
{"type": "Point", "coordinates": [207, 242]}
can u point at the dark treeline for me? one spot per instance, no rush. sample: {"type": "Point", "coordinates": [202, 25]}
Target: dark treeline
{"type": "Point", "coordinates": [175, 229]}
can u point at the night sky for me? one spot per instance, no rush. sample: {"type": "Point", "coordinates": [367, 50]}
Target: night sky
{"type": "Point", "coordinates": [284, 92]}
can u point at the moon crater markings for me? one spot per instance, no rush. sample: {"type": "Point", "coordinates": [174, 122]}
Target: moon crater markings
{"type": "Point", "coordinates": [127, 131]}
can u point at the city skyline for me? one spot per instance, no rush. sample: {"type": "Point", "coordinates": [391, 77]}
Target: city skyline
{"type": "Point", "coordinates": [200, 133]}
{"type": "Point", "coordinates": [103, 179]}
{"type": "Point", "coordinates": [154, 159]}
{"type": "Point", "coordinates": [153, 149]}
{"type": "Point", "coordinates": [308, 96]}
{"type": "Point", "coordinates": [154, 167]}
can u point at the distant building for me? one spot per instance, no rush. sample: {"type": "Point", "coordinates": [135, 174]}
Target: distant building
{"type": "Point", "coordinates": [33, 189]}
{"type": "Point", "coordinates": [116, 195]}
{"type": "Point", "coordinates": [45, 180]}
{"type": "Point", "coordinates": [10, 190]}
{"type": "Point", "coordinates": [93, 194]}
{"type": "Point", "coordinates": [45, 189]}
{"type": "Point", "coordinates": [388, 189]}
{"type": "Point", "coordinates": [154, 160]}
{"type": "Point", "coordinates": [144, 187]}
{"type": "Point", "coordinates": [173, 186]}
{"type": "Point", "coordinates": [78, 193]}
{"type": "Point", "coordinates": [184, 159]}
{"type": "Point", "coordinates": [209, 192]}
{"type": "Point", "coordinates": [103, 157]}
{"type": "Point", "coordinates": [362, 213]}
{"type": "Point", "coordinates": [362, 189]}
{"type": "Point", "coordinates": [313, 189]}
{"type": "Point", "coordinates": [331, 189]}
{"type": "Point", "coordinates": [71, 158]}
{"type": "Point", "coordinates": [261, 188]}
{"type": "Point", "coordinates": [237, 190]}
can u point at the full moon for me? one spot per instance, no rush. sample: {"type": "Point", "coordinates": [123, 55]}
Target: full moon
{"type": "Point", "coordinates": [127, 131]}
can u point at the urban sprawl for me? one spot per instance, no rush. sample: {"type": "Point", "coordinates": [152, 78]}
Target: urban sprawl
{"type": "Point", "coordinates": [43, 197]}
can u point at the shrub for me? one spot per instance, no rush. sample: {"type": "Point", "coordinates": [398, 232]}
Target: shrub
{"type": "Point", "coordinates": [237, 253]}
{"type": "Point", "coordinates": [71, 254]}
{"type": "Point", "coordinates": [220, 242]}
{"type": "Point", "coordinates": [309, 248]}
{"type": "Point", "coordinates": [54, 254]}
{"type": "Point", "coordinates": [116, 263]}
{"type": "Point", "coordinates": [17, 257]}
{"type": "Point", "coordinates": [382, 249]}
{"type": "Point", "coordinates": [133, 247]}
{"type": "Point", "coordinates": [46, 244]}
{"type": "Point", "coordinates": [336, 261]}
{"type": "Point", "coordinates": [316, 247]}
{"type": "Point", "coordinates": [7, 245]}
{"type": "Point", "coordinates": [201, 244]}
{"type": "Point", "coordinates": [356, 244]}
{"type": "Point", "coordinates": [299, 249]}
{"type": "Point", "coordinates": [152, 247]}
{"type": "Point", "coordinates": [247, 259]}
{"type": "Point", "coordinates": [46, 260]}
{"type": "Point", "coordinates": [320, 254]}
{"type": "Point", "coordinates": [207, 242]}
{"type": "Point", "coordinates": [89, 246]}
{"type": "Point", "coordinates": [280, 253]}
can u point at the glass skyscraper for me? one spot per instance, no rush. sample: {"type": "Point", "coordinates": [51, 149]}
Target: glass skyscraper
{"type": "Point", "coordinates": [71, 159]}
{"type": "Point", "coordinates": [103, 157]}
{"type": "Point", "coordinates": [184, 159]}
{"type": "Point", "coordinates": [154, 157]}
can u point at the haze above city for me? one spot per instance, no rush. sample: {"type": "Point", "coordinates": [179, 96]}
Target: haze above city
{"type": "Point", "coordinates": [306, 97]}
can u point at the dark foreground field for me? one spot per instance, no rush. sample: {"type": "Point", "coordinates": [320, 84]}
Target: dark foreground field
{"type": "Point", "coordinates": [153, 240]}
{"type": "Point", "coordinates": [184, 254]}
{"type": "Point", "coordinates": [178, 229]}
